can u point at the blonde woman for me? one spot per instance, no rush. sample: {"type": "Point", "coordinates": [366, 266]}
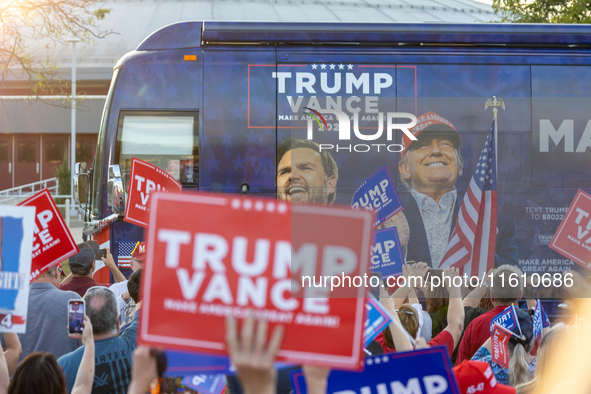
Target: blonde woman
{"type": "Point", "coordinates": [553, 349]}
{"type": "Point", "coordinates": [521, 364]}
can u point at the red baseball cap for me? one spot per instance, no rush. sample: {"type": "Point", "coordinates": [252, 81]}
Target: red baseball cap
{"type": "Point", "coordinates": [476, 377]}
{"type": "Point", "coordinates": [139, 252]}
{"type": "Point", "coordinates": [430, 122]}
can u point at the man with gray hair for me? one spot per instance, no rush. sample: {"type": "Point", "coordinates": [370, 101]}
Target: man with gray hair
{"type": "Point", "coordinates": [113, 353]}
{"type": "Point", "coordinates": [506, 289]}
{"type": "Point", "coordinates": [47, 317]}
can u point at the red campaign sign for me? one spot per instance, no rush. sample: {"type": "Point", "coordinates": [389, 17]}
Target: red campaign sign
{"type": "Point", "coordinates": [52, 241]}
{"type": "Point", "coordinates": [500, 338]}
{"type": "Point", "coordinates": [573, 237]}
{"type": "Point", "coordinates": [211, 255]}
{"type": "Point", "coordinates": [145, 179]}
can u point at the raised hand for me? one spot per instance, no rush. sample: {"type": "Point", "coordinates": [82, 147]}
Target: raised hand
{"type": "Point", "coordinates": [252, 355]}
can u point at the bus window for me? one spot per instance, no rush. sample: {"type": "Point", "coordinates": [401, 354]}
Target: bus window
{"type": "Point", "coordinates": [169, 140]}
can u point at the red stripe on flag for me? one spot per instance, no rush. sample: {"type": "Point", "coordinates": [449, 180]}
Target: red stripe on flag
{"type": "Point", "coordinates": [472, 244]}
{"type": "Point", "coordinates": [15, 319]}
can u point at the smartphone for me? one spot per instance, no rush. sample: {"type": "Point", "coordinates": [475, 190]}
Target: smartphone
{"type": "Point", "coordinates": [432, 272]}
{"type": "Point", "coordinates": [76, 313]}
{"type": "Point", "coordinates": [100, 253]}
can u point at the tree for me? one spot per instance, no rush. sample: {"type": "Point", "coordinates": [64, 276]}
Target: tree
{"type": "Point", "coordinates": [53, 22]}
{"type": "Point", "coordinates": [64, 176]}
{"type": "Point", "coordinates": [543, 11]}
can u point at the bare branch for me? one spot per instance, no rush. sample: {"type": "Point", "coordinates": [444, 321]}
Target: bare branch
{"type": "Point", "coordinates": [51, 21]}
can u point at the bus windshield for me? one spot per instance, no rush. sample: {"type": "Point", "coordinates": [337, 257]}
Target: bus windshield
{"type": "Point", "coordinates": [98, 166]}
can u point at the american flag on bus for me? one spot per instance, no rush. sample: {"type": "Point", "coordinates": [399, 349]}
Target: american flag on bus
{"type": "Point", "coordinates": [124, 254]}
{"type": "Point", "coordinates": [471, 247]}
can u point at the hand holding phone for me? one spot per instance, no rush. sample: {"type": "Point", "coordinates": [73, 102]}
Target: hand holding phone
{"type": "Point", "coordinates": [102, 253]}
{"type": "Point", "coordinates": [76, 313]}
{"type": "Point", "coordinates": [86, 336]}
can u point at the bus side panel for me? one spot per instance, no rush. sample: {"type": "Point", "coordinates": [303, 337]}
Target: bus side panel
{"type": "Point", "coordinates": [238, 142]}
{"type": "Point", "coordinates": [120, 237]}
{"type": "Point", "coordinates": [544, 137]}
{"type": "Point", "coordinates": [103, 274]}
{"type": "Point", "coordinates": [124, 237]}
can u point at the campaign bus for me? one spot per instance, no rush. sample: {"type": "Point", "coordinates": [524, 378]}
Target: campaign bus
{"type": "Point", "coordinates": [210, 103]}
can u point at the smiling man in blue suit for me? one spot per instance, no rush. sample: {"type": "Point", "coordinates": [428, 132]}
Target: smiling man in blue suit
{"type": "Point", "coordinates": [430, 168]}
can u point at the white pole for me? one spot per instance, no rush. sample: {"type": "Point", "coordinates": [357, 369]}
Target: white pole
{"type": "Point", "coordinates": [68, 212]}
{"type": "Point", "coordinates": [73, 130]}
{"type": "Point", "coordinates": [73, 40]}
{"type": "Point", "coordinates": [495, 110]}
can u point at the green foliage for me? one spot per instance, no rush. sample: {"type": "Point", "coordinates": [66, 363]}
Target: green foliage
{"type": "Point", "coordinates": [543, 11]}
{"type": "Point", "coordinates": [64, 176]}
{"type": "Point", "coordinates": [101, 13]}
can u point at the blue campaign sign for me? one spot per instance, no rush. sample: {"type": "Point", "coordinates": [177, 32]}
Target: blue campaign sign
{"type": "Point", "coordinates": [538, 321]}
{"type": "Point", "coordinates": [205, 384]}
{"type": "Point", "coordinates": [188, 363]}
{"type": "Point", "coordinates": [386, 253]}
{"type": "Point", "coordinates": [545, 320]}
{"type": "Point", "coordinates": [377, 193]}
{"type": "Point", "coordinates": [181, 363]}
{"type": "Point", "coordinates": [17, 225]}
{"type": "Point", "coordinates": [506, 319]}
{"type": "Point", "coordinates": [376, 321]}
{"type": "Point", "coordinates": [426, 371]}
{"type": "Point", "coordinates": [11, 238]}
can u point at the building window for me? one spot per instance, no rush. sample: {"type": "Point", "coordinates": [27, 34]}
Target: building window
{"type": "Point", "coordinates": [26, 152]}
{"type": "Point", "coordinates": [83, 151]}
{"type": "Point", "coordinates": [54, 151]}
{"type": "Point", "coordinates": [3, 152]}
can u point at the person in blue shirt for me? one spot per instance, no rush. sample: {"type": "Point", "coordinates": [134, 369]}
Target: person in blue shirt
{"type": "Point", "coordinates": [113, 352]}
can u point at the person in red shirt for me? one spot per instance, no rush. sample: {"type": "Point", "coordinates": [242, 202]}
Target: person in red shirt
{"type": "Point", "coordinates": [502, 295]}
{"type": "Point", "coordinates": [82, 266]}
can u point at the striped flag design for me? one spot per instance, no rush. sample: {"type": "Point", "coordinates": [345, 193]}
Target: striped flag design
{"type": "Point", "coordinates": [471, 247]}
{"type": "Point", "coordinates": [124, 254]}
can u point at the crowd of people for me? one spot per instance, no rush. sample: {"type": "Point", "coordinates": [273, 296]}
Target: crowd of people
{"type": "Point", "coordinates": [105, 357]}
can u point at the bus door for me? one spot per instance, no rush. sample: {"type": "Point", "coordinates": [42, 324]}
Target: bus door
{"type": "Point", "coordinates": [27, 164]}
{"type": "Point", "coordinates": [239, 122]}
{"type": "Point", "coordinates": [6, 161]}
